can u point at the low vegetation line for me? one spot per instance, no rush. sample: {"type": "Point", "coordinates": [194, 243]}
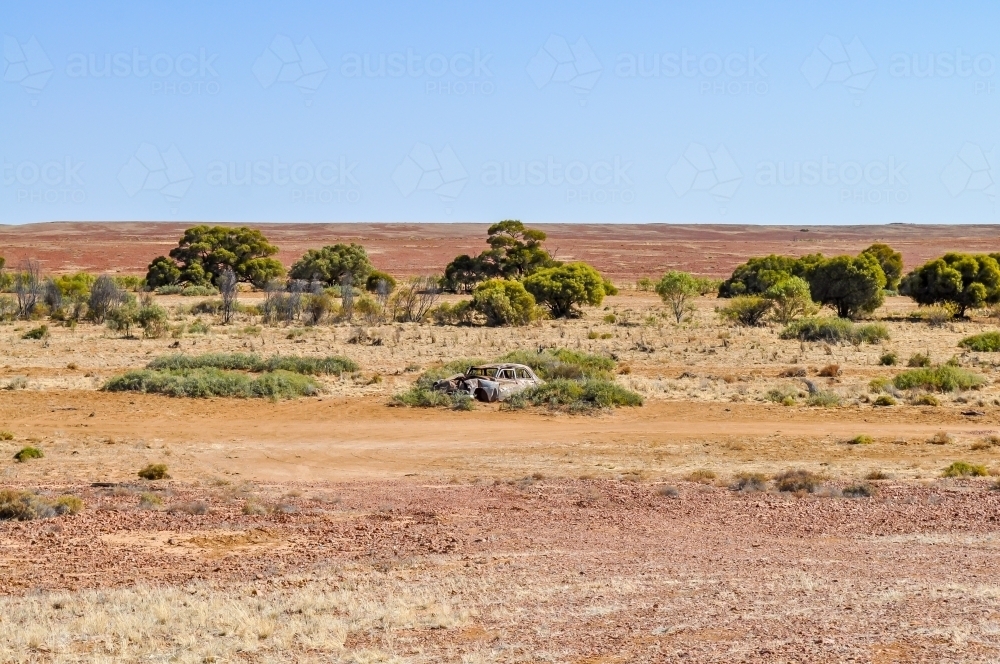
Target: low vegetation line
{"type": "Point", "coordinates": [944, 378]}
{"type": "Point", "coordinates": [212, 382]}
{"type": "Point", "coordinates": [309, 366]}
{"type": "Point", "coordinates": [575, 382]}
{"type": "Point", "coordinates": [575, 395]}
{"type": "Point", "coordinates": [835, 330]}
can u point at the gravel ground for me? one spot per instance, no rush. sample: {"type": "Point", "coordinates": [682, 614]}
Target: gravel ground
{"type": "Point", "coordinates": [563, 570]}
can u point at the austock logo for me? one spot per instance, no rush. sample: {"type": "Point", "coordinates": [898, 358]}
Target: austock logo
{"type": "Point", "coordinates": [559, 62]}
{"type": "Point", "coordinates": [973, 169]}
{"type": "Point", "coordinates": [26, 64]}
{"type": "Point", "coordinates": [53, 181]}
{"type": "Point", "coordinates": [711, 171]}
{"type": "Point", "coordinates": [284, 61]}
{"type": "Point", "coordinates": [833, 62]}
{"type": "Point", "coordinates": [439, 172]}
{"type": "Point", "coordinates": [151, 170]}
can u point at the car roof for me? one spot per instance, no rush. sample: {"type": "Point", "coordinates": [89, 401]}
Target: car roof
{"type": "Point", "coordinates": [502, 365]}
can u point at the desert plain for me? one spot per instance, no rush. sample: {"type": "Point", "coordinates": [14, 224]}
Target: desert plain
{"type": "Point", "coordinates": [339, 527]}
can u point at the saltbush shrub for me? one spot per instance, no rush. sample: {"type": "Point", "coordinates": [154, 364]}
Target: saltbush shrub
{"type": "Point", "coordinates": [987, 342]}
{"type": "Point", "coordinates": [313, 366]}
{"type": "Point", "coordinates": [746, 310]}
{"type": "Point", "coordinates": [575, 395]}
{"type": "Point", "coordinates": [40, 332]}
{"type": "Point", "coordinates": [154, 471]}
{"type": "Point", "coordinates": [965, 469]}
{"type": "Point", "coordinates": [942, 378]}
{"type": "Point", "coordinates": [563, 363]}
{"type": "Point", "coordinates": [25, 506]}
{"type": "Point", "coordinates": [210, 382]}
{"type": "Point", "coordinates": [27, 453]}
{"type": "Point", "coordinates": [835, 330]}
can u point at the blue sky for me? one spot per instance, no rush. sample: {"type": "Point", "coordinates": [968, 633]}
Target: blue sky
{"type": "Point", "coordinates": [781, 112]}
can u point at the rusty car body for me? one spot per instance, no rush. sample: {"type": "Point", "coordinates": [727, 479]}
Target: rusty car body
{"type": "Point", "coordinates": [490, 382]}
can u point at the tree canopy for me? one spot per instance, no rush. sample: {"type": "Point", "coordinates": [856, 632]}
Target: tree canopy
{"type": "Point", "coordinates": [965, 281]}
{"type": "Point", "coordinates": [504, 302]}
{"type": "Point", "coordinates": [760, 273]}
{"type": "Point", "coordinates": [677, 289]}
{"type": "Point", "coordinates": [891, 262]}
{"type": "Point", "coordinates": [204, 252]}
{"type": "Point", "coordinates": [565, 287]}
{"type": "Point", "coordinates": [331, 263]}
{"type": "Point", "coordinates": [515, 252]}
{"type": "Point", "coordinates": [850, 285]}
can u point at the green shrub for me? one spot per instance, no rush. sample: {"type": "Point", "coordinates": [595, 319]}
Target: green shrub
{"type": "Point", "coordinates": [421, 396]}
{"type": "Point", "coordinates": [575, 395]}
{"type": "Point", "coordinates": [965, 469]}
{"type": "Point", "coordinates": [749, 482]}
{"type": "Point", "coordinates": [938, 379]}
{"type": "Point", "coordinates": [206, 308]}
{"type": "Point", "coordinates": [798, 480]}
{"type": "Point", "coordinates": [935, 316]}
{"type": "Point", "coordinates": [229, 361]}
{"type": "Point", "coordinates": [504, 302]}
{"type": "Point", "coordinates": [199, 291]}
{"type": "Point", "coordinates": [919, 360]}
{"type": "Point", "coordinates": [835, 330]}
{"type": "Point", "coordinates": [67, 504]}
{"type": "Point", "coordinates": [824, 399]}
{"type": "Point", "coordinates": [889, 359]}
{"type": "Point", "coordinates": [154, 471]}
{"type": "Point", "coordinates": [199, 327]}
{"type": "Point", "coordinates": [861, 439]}
{"type": "Point", "coordinates": [210, 382]}
{"type": "Point", "coordinates": [987, 342]}
{"type": "Point", "coordinates": [313, 366]}
{"type": "Point", "coordinates": [784, 394]}
{"type": "Point", "coordinates": [747, 310]}
{"type": "Point", "coordinates": [40, 332]}
{"type": "Point", "coordinates": [925, 400]}
{"type": "Point", "coordinates": [563, 363]}
{"type": "Point", "coordinates": [25, 506]}
{"type": "Point", "coordinates": [879, 384]}
{"type": "Point", "coordinates": [149, 500]}
{"type": "Point", "coordinates": [28, 453]}
{"type": "Point", "coordinates": [885, 400]}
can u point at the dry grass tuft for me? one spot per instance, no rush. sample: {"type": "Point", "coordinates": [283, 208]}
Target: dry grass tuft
{"type": "Point", "coordinates": [701, 476]}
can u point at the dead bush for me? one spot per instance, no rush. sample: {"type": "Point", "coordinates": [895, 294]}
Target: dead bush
{"type": "Point", "coordinates": [830, 371]}
{"type": "Point", "coordinates": [195, 507]}
{"type": "Point", "coordinates": [747, 482]}
{"type": "Point", "coordinates": [798, 480]}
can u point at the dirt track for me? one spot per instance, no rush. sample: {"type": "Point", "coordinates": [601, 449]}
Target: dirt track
{"type": "Point", "coordinates": [336, 439]}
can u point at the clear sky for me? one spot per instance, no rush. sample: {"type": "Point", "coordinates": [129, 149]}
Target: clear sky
{"type": "Point", "coordinates": [765, 112]}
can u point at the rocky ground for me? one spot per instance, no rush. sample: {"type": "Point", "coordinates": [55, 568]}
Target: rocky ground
{"type": "Point", "coordinates": [522, 570]}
